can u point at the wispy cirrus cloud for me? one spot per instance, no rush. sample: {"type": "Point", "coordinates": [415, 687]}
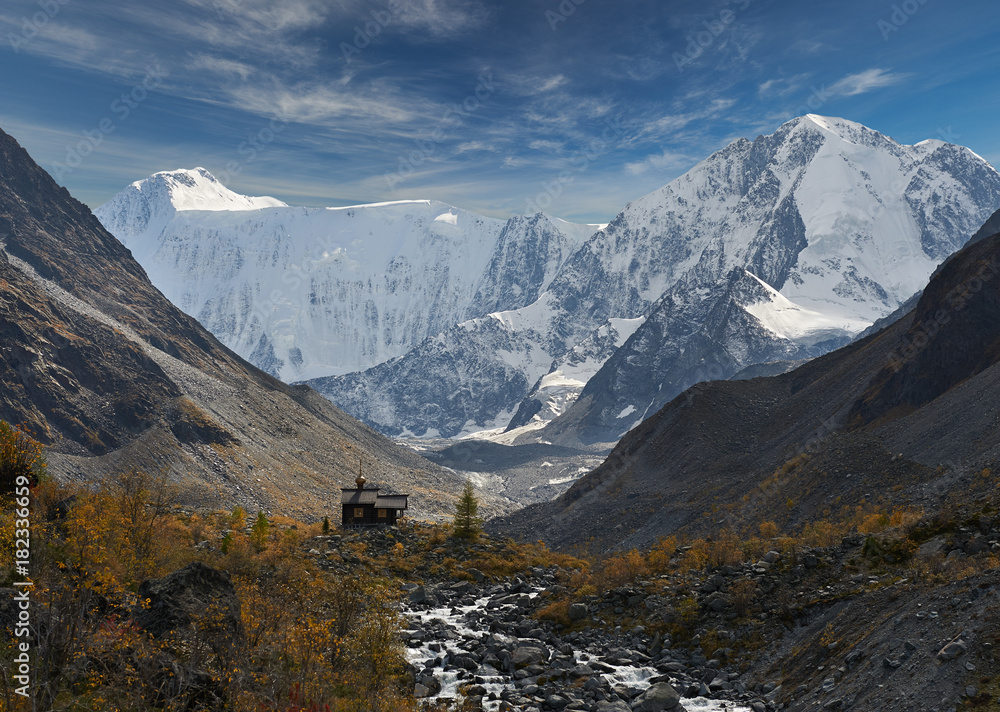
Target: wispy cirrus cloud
{"type": "Point", "coordinates": [664, 161]}
{"type": "Point", "coordinates": [782, 86]}
{"type": "Point", "coordinates": [866, 81]}
{"type": "Point", "coordinates": [443, 18]}
{"type": "Point", "coordinates": [231, 66]}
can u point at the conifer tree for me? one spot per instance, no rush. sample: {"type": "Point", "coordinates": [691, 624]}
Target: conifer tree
{"type": "Point", "coordinates": [467, 521]}
{"type": "Point", "coordinates": [258, 533]}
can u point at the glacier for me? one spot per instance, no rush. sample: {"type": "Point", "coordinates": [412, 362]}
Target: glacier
{"type": "Point", "coordinates": [310, 292]}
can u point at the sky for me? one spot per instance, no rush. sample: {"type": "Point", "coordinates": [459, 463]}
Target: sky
{"type": "Point", "coordinates": [574, 107]}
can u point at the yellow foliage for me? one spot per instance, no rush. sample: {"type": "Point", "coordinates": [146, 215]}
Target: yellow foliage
{"type": "Point", "coordinates": [768, 530]}
{"type": "Point", "coordinates": [661, 554]}
{"type": "Point", "coordinates": [622, 569]}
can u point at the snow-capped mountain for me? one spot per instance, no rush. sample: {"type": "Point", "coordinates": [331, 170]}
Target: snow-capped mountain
{"type": "Point", "coordinates": [424, 319]}
{"type": "Point", "coordinates": [839, 223]}
{"type": "Point", "coordinates": [825, 226]}
{"type": "Point", "coordinates": [310, 292]}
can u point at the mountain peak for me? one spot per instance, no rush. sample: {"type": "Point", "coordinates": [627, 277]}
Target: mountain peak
{"type": "Point", "coordinates": [833, 124]}
{"type": "Point", "coordinates": [147, 205]}
{"type": "Point", "coordinates": [839, 128]}
{"type": "Point", "coordinates": [197, 189]}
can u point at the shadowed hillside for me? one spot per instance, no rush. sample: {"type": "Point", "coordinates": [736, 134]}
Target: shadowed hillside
{"type": "Point", "coordinates": [905, 414]}
{"type": "Point", "coordinates": [108, 374]}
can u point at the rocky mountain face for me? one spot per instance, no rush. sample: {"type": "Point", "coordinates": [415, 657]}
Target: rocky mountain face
{"type": "Point", "coordinates": [827, 224]}
{"type": "Point", "coordinates": [111, 376]}
{"type": "Point", "coordinates": [310, 292]}
{"type": "Point", "coordinates": [911, 407]}
{"type": "Point", "coordinates": [840, 224]}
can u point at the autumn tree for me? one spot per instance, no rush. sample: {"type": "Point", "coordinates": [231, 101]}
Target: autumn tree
{"type": "Point", "coordinates": [238, 519]}
{"type": "Point", "coordinates": [20, 456]}
{"type": "Point", "coordinates": [141, 502]}
{"type": "Point", "coordinates": [468, 524]}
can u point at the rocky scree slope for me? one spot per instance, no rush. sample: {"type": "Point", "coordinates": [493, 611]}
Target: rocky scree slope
{"type": "Point", "coordinates": [906, 411]}
{"type": "Point", "coordinates": [110, 376]}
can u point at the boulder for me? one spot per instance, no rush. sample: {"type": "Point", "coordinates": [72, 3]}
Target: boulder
{"type": "Point", "coordinates": [194, 596]}
{"type": "Point", "coordinates": [952, 650]}
{"type": "Point", "coordinates": [577, 611]}
{"type": "Point", "coordinates": [661, 696]}
{"type": "Point", "coordinates": [528, 655]}
{"type": "Point", "coordinates": [932, 547]}
{"type": "Point", "coordinates": [421, 691]}
{"type": "Point", "coordinates": [614, 706]}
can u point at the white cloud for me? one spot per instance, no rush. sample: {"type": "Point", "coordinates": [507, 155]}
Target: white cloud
{"type": "Point", "coordinates": [552, 83]}
{"type": "Point", "coordinates": [782, 86]}
{"type": "Point", "coordinates": [441, 18]}
{"type": "Point", "coordinates": [664, 161]}
{"type": "Point", "coordinates": [545, 145]}
{"type": "Point", "coordinates": [808, 47]}
{"type": "Point", "coordinates": [470, 146]}
{"type": "Point", "coordinates": [866, 81]}
{"type": "Point", "coordinates": [220, 66]}
{"type": "Point", "coordinates": [514, 162]}
{"type": "Point", "coordinates": [532, 84]}
{"type": "Point", "coordinates": [320, 104]}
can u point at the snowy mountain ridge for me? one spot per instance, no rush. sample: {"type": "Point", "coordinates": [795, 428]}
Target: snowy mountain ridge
{"type": "Point", "coordinates": [420, 318]}
{"type": "Point", "coordinates": [840, 223]}
{"type": "Point", "coordinates": [310, 292]}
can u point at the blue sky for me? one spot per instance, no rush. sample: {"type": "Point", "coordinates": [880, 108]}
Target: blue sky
{"type": "Point", "coordinates": [572, 106]}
